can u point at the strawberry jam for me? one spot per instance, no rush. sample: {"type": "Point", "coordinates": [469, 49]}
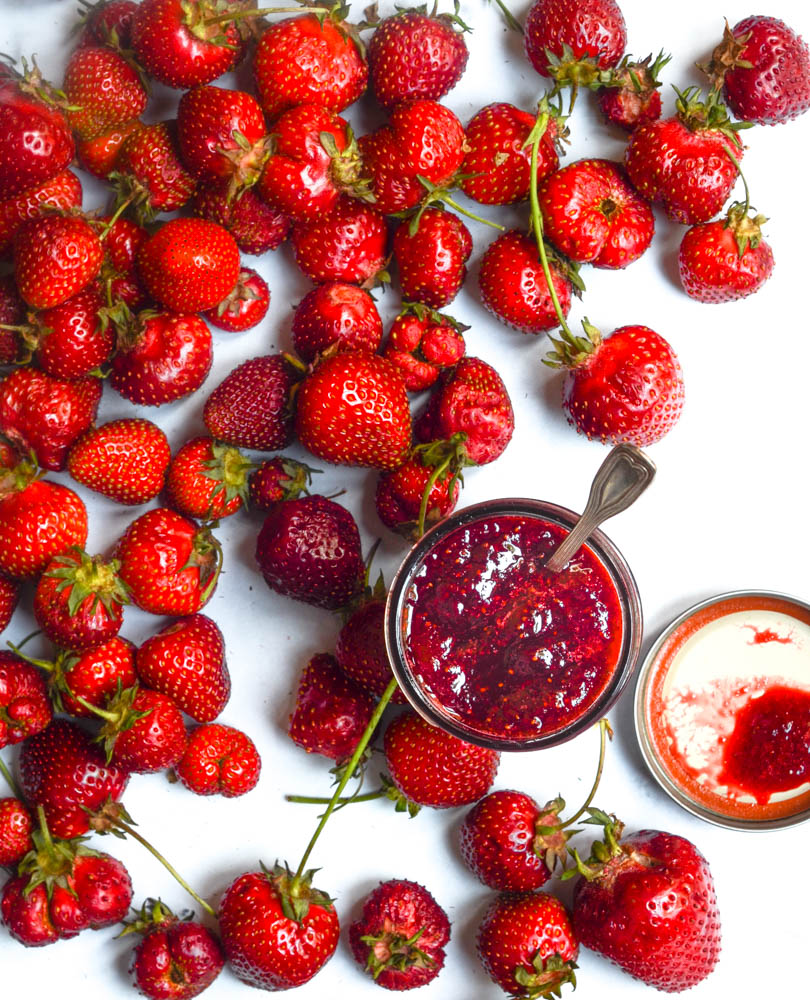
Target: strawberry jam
{"type": "Point", "coordinates": [505, 647]}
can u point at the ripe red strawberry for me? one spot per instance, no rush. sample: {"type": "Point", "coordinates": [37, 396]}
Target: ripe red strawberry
{"type": "Point", "coordinates": [72, 339]}
{"type": "Point", "coordinates": [277, 931]}
{"type": "Point", "coordinates": [180, 43]}
{"type": "Point", "coordinates": [46, 415]}
{"type": "Point", "coordinates": [219, 760]}
{"type": "Point", "coordinates": [726, 259]}
{"type": "Point", "coordinates": [102, 18]}
{"type": "Point", "coordinates": [152, 175]}
{"type": "Point", "coordinates": [513, 286]}
{"type": "Point", "coordinates": [125, 460]}
{"type": "Point", "coordinates": [245, 305]}
{"type": "Point", "coordinates": [255, 226]}
{"type": "Point", "coordinates": [9, 598]}
{"type": "Point", "coordinates": [430, 767]}
{"type": "Point", "coordinates": [572, 40]}
{"type": "Point", "coordinates": [119, 278]}
{"type": "Point", "coordinates": [143, 731]}
{"type": "Point", "coordinates": [353, 410]}
{"type": "Point", "coordinates": [163, 356]}
{"type": "Point", "coordinates": [630, 95]}
{"type": "Point", "coordinates": [79, 600]}
{"type": "Point", "coordinates": [497, 167]}
{"type": "Point", "coordinates": [400, 936]}
{"type": "Point", "coordinates": [360, 650]}
{"type": "Point", "coordinates": [186, 661]}
{"type": "Point", "coordinates": [207, 480]}
{"type": "Point", "coordinates": [413, 55]}
{"type": "Point", "coordinates": [627, 387]}
{"type": "Point", "coordinates": [337, 314]}
{"type": "Point", "coordinates": [308, 59]}
{"type": "Point", "coordinates": [684, 161]}
{"type": "Point", "coordinates": [309, 549]}
{"type": "Point", "coordinates": [176, 959]}
{"type": "Point", "coordinates": [64, 191]}
{"type": "Point", "coordinates": [103, 90]}
{"type": "Point", "coordinates": [622, 907]}
{"type": "Point", "coordinates": [400, 494]}
{"type": "Point", "coordinates": [99, 156]}
{"type": "Point", "coordinates": [422, 343]}
{"type": "Point", "coordinates": [348, 245]}
{"type": "Point", "coordinates": [527, 945]}
{"type": "Point", "coordinates": [12, 314]}
{"type": "Point", "coordinates": [24, 705]}
{"type": "Point", "coordinates": [431, 254]}
{"type": "Point", "coordinates": [62, 770]}
{"type": "Point", "coordinates": [331, 711]}
{"type": "Point", "coordinates": [94, 675]}
{"type": "Point", "coordinates": [250, 408]}
{"type": "Point", "coordinates": [55, 256]}
{"type": "Point", "coordinates": [277, 479]}
{"type": "Point", "coordinates": [189, 265]}
{"type": "Point", "coordinates": [16, 826]}
{"type": "Point", "coordinates": [763, 67]}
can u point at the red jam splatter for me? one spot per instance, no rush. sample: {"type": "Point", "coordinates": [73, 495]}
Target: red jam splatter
{"type": "Point", "coordinates": [769, 749]}
{"type": "Point", "coordinates": [505, 646]}
{"type": "Point", "coordinates": [766, 635]}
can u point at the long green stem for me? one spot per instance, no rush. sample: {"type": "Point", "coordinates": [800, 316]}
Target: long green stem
{"type": "Point", "coordinates": [319, 800]}
{"type": "Point", "coordinates": [509, 17]}
{"type": "Point", "coordinates": [266, 11]}
{"type": "Point", "coordinates": [736, 163]}
{"type": "Point", "coordinates": [12, 784]}
{"type": "Point", "coordinates": [448, 200]}
{"type": "Point", "coordinates": [351, 767]}
{"type": "Point", "coordinates": [432, 480]}
{"type": "Point", "coordinates": [604, 732]}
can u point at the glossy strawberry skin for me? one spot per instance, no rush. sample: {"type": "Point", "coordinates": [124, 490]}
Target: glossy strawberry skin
{"type": "Point", "coordinates": [255, 226]}
{"type": "Point", "coordinates": [712, 269]}
{"type": "Point", "coordinates": [24, 706]}
{"type": "Point", "coordinates": [176, 960]}
{"type": "Point", "coordinates": [103, 887]}
{"type": "Point", "coordinates": [432, 260]}
{"type": "Point", "coordinates": [94, 675]}
{"type": "Point", "coordinates": [16, 827]}
{"type": "Point", "coordinates": [277, 479]}
{"type": "Point", "coordinates": [360, 650]}
{"type": "Point", "coordinates": [398, 497]}
{"type": "Point", "coordinates": [207, 480]}
{"type": "Point", "coordinates": [244, 307]}
{"type": "Point", "coordinates": [73, 341]}
{"type": "Point", "coordinates": [125, 460]}
{"type": "Point", "coordinates": [9, 598]}
{"type": "Point", "coordinates": [62, 191]}
{"type": "Point", "coordinates": [339, 314]}
{"type": "Point", "coordinates": [422, 347]}
{"type": "Point", "coordinates": [592, 29]}
{"type": "Point", "coordinates": [35, 140]}
{"type": "Point", "coordinates": [155, 741]}
{"type": "Point", "coordinates": [250, 408]}
{"type": "Point", "coordinates": [219, 760]}
{"type": "Point", "coordinates": [347, 245]}
{"type": "Point", "coordinates": [106, 17]}
{"type": "Point", "coordinates": [36, 524]}
{"type": "Point", "coordinates": [99, 156]}
{"type": "Point", "coordinates": [186, 661]}
{"type": "Point", "coordinates": [55, 256]}
{"type": "Point", "coordinates": [104, 88]}
{"type": "Point", "coordinates": [150, 158]}
{"type": "Point", "coordinates": [12, 314]}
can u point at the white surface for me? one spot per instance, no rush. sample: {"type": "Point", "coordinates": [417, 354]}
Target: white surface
{"type": "Point", "coordinates": [721, 515]}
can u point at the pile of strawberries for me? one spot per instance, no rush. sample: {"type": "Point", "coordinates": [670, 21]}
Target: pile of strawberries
{"type": "Point", "coordinates": [128, 297]}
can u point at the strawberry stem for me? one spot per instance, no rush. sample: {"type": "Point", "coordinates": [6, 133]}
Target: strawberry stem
{"type": "Point", "coordinates": [736, 163]}
{"type": "Point", "coordinates": [12, 784]}
{"type": "Point", "coordinates": [423, 506]}
{"type": "Point", "coordinates": [605, 733]}
{"type": "Point", "coordinates": [317, 800]}
{"type": "Point", "coordinates": [264, 12]}
{"type": "Point", "coordinates": [511, 21]}
{"type": "Point", "coordinates": [448, 200]}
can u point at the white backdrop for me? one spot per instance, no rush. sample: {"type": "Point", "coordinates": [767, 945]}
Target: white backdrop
{"type": "Point", "coordinates": [726, 511]}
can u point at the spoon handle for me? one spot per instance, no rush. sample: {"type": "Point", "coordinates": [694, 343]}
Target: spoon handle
{"type": "Point", "coordinates": [621, 479]}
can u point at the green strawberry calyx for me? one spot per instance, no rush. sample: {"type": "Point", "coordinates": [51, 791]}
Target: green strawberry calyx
{"type": "Point", "coordinates": [546, 977]}
{"type": "Point", "coordinates": [88, 578]}
{"type": "Point", "coordinates": [154, 913]}
{"type": "Point", "coordinates": [699, 114]}
{"type": "Point", "coordinates": [390, 950]}
{"type": "Point", "coordinates": [725, 57]}
{"type": "Point", "coordinates": [295, 892]}
{"type": "Point", "coordinates": [50, 862]}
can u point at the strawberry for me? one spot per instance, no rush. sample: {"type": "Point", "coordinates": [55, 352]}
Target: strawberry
{"type": "Point", "coordinates": [422, 343]}
{"type": "Point", "coordinates": [430, 767]}
{"type": "Point", "coordinates": [726, 259]}
{"type": "Point", "coordinates": [627, 387]}
{"type": "Point", "coordinates": [125, 460]}
{"type": "Point", "coordinates": [353, 410]}
{"type": "Point", "coordinates": [64, 191]}
{"type": "Point", "coordinates": [180, 43]}
{"type": "Point", "coordinates": [250, 408]}
{"type": "Point", "coordinates": [431, 253]}
{"type": "Point", "coordinates": [94, 675]}
{"type": "Point", "coordinates": [222, 136]}
{"type": "Point", "coordinates": [400, 936]}
{"type": "Point", "coordinates": [103, 89]}
{"type": "Point", "coordinates": [106, 21]}
{"type": "Point", "coordinates": [331, 711]}
{"type": "Point", "coordinates": [207, 480]}
{"type": "Point", "coordinates": [277, 931]}
{"type": "Point", "coordinates": [62, 770]}
{"type": "Point", "coordinates": [55, 256]}
{"type": "Point", "coordinates": [527, 945]}
{"type": "Point", "coordinates": [255, 226]}
{"type": "Point", "coordinates": [308, 59]}
{"type": "Point", "coordinates": [400, 494]}
{"type": "Point", "coordinates": [572, 40]}
{"type": "Point", "coordinates": [309, 549]}
{"type": "Point", "coordinates": [149, 173]}
{"type": "Point", "coordinates": [72, 339]}
{"type": "Point", "coordinates": [119, 278]}
{"type": "Point", "coordinates": [413, 55]}
{"type": "Point", "coordinates": [186, 661]}
{"type": "Point", "coordinates": [513, 286]}
{"type": "Point", "coordinates": [12, 313]}
{"type": "Point", "coordinates": [623, 908]}
{"type": "Point", "coordinates": [79, 600]}
{"type": "Point", "coordinates": [630, 94]}
{"type": "Point", "coordinates": [99, 156]}
{"type": "Point", "coordinates": [347, 245]}
{"type": "Point", "coordinates": [360, 649]}
{"type": "Point", "coordinates": [219, 760]}
{"type": "Point", "coordinates": [277, 479]}
{"type": "Point", "coordinates": [24, 706]}
{"type": "Point", "coordinates": [763, 67]}
{"type": "Point", "coordinates": [170, 565]}
{"type": "Point", "coordinates": [687, 162]}
{"type": "Point", "coordinates": [244, 306]}
{"type": "Point", "coordinates": [163, 356]}
{"type": "Point", "coordinates": [497, 166]}
{"type": "Point", "coordinates": [189, 265]}
{"type": "Point", "coordinates": [143, 731]}
{"type": "Point", "coordinates": [15, 831]}
{"type": "Point", "coordinates": [336, 314]}
{"type": "Point", "coordinates": [46, 415]}
{"type": "Point", "coordinates": [177, 958]}
{"type": "Point", "coordinates": [9, 597]}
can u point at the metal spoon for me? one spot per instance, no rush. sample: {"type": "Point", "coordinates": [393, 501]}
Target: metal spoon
{"type": "Point", "coordinates": [621, 479]}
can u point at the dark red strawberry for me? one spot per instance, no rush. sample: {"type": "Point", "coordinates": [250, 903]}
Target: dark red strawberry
{"type": "Point", "coordinates": [55, 256]}
{"type": "Point", "coordinates": [244, 306]}
{"type": "Point", "coordinates": [309, 549]}
{"type": "Point", "coordinates": [16, 827]}
{"type": "Point", "coordinates": [102, 89]}
{"type": "Point", "coordinates": [630, 95]}
{"type": "Point", "coordinates": [431, 252]}
{"type": "Point", "coordinates": [207, 480]}
{"type": "Point", "coordinates": [219, 760]}
{"type": "Point", "coordinates": [12, 315]}
{"type": "Point", "coordinates": [9, 598]}
{"type": "Point", "coordinates": [152, 176]}
{"type": "Point", "coordinates": [400, 495]}
{"type": "Point", "coordinates": [125, 460]}
{"type": "Point", "coordinates": [143, 731]}
{"type": "Point", "coordinates": [108, 21]}
{"type": "Point", "coordinates": [360, 650]}
{"type": "Point", "coordinates": [422, 343]}
{"type": "Point", "coordinates": [94, 675]}
{"type": "Point", "coordinates": [336, 314]}
{"type": "Point", "coordinates": [572, 40]}
{"type": "Point", "coordinates": [255, 226]}
{"type": "Point", "coordinates": [278, 479]}
{"type": "Point", "coordinates": [64, 191]}
{"type": "Point", "coordinates": [331, 711]}
{"type": "Point", "coordinates": [186, 661]}
{"type": "Point", "coordinates": [251, 408]}
{"type": "Point", "coordinates": [24, 705]}
{"type": "Point", "coordinates": [347, 245]}
{"type": "Point", "coordinates": [400, 936]}
{"type": "Point", "coordinates": [72, 339]}
{"type": "Point", "coordinates": [99, 156]}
